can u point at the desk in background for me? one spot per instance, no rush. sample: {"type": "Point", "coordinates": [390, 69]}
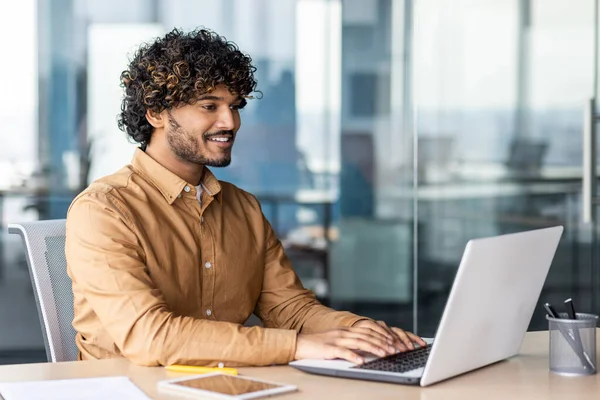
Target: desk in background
{"type": "Point", "coordinates": [525, 376]}
{"type": "Point", "coordinates": [310, 247]}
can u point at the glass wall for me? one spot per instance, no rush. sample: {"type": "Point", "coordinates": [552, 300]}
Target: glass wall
{"type": "Point", "coordinates": [501, 89]}
{"type": "Point", "coordinates": [372, 268]}
{"type": "Point", "coordinates": [389, 133]}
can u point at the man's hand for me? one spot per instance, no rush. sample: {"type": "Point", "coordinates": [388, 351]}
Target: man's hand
{"type": "Point", "coordinates": [400, 339]}
{"type": "Point", "coordinates": [343, 342]}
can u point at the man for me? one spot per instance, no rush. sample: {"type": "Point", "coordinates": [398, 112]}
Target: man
{"type": "Point", "coordinates": [167, 262]}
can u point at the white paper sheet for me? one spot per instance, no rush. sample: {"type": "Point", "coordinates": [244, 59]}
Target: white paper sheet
{"type": "Point", "coordinates": [116, 387]}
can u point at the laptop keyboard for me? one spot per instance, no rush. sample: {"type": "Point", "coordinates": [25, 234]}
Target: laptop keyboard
{"type": "Point", "coordinates": [399, 362]}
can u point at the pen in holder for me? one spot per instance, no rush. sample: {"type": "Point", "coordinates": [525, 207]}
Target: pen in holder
{"type": "Point", "coordinates": [573, 344]}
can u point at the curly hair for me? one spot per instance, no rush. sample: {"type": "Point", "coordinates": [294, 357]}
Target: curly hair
{"type": "Point", "coordinates": [176, 69]}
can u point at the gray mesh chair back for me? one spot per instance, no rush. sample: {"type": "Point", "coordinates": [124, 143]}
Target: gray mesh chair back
{"type": "Point", "coordinates": [45, 248]}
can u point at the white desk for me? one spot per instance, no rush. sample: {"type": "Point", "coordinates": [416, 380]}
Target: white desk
{"type": "Point", "coordinates": [522, 377]}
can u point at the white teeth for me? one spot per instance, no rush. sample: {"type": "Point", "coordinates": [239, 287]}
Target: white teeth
{"type": "Point", "coordinates": [218, 139]}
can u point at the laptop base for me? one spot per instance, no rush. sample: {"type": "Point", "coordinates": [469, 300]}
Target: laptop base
{"type": "Point", "coordinates": [359, 374]}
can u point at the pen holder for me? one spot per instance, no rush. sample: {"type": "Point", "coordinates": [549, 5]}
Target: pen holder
{"type": "Point", "coordinates": [573, 344]}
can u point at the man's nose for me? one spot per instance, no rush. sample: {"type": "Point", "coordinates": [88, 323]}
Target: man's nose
{"type": "Point", "coordinates": [226, 120]}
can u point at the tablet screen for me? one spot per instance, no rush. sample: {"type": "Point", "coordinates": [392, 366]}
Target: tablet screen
{"type": "Point", "coordinates": [226, 384]}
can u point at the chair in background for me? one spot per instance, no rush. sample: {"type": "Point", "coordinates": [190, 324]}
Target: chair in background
{"type": "Point", "coordinates": [45, 248]}
{"type": "Point", "coordinates": [526, 157]}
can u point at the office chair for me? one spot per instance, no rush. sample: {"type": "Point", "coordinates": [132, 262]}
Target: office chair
{"type": "Point", "coordinates": [526, 157]}
{"type": "Point", "coordinates": [45, 248]}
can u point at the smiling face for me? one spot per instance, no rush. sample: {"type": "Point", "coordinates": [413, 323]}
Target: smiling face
{"type": "Point", "coordinates": [203, 133]}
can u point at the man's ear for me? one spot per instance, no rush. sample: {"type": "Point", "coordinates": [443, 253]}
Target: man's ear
{"type": "Point", "coordinates": [155, 119]}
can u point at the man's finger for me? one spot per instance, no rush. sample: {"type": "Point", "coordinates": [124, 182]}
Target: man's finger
{"type": "Point", "coordinates": [382, 344]}
{"type": "Point", "coordinates": [363, 345]}
{"type": "Point", "coordinates": [376, 326]}
{"type": "Point", "coordinates": [404, 338]}
{"type": "Point", "coordinates": [416, 339]}
{"type": "Point", "coordinates": [346, 354]}
{"type": "Point", "coordinates": [401, 343]}
{"type": "Point", "coordinates": [371, 332]}
{"type": "Point", "coordinates": [397, 340]}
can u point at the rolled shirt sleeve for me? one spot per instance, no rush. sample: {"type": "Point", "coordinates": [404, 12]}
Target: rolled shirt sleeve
{"type": "Point", "coordinates": [285, 303]}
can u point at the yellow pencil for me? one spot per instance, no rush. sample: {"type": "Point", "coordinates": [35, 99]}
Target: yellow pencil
{"type": "Point", "coordinates": [200, 370]}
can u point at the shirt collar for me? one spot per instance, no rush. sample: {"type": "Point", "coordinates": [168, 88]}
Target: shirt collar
{"type": "Point", "coordinates": [167, 183]}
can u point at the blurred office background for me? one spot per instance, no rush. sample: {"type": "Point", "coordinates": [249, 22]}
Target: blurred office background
{"type": "Point", "coordinates": [390, 133]}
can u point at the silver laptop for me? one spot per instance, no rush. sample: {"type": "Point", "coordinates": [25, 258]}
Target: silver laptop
{"type": "Point", "coordinates": [491, 303]}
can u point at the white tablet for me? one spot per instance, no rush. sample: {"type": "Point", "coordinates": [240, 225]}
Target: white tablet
{"type": "Point", "coordinates": [223, 386]}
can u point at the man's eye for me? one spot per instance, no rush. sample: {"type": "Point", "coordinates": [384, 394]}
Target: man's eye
{"type": "Point", "coordinates": [237, 107]}
{"type": "Point", "coordinates": [209, 107]}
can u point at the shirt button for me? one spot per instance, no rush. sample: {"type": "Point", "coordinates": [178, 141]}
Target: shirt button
{"type": "Point", "coordinates": [187, 189]}
{"type": "Point", "coordinates": [208, 312]}
{"type": "Point", "coordinates": [179, 196]}
{"type": "Point", "coordinates": [207, 265]}
{"type": "Point", "coordinates": [202, 220]}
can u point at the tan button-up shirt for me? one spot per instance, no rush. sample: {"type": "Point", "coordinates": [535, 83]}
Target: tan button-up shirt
{"type": "Point", "coordinates": [162, 279]}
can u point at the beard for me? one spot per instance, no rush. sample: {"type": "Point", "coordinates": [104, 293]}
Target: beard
{"type": "Point", "coordinates": [186, 146]}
